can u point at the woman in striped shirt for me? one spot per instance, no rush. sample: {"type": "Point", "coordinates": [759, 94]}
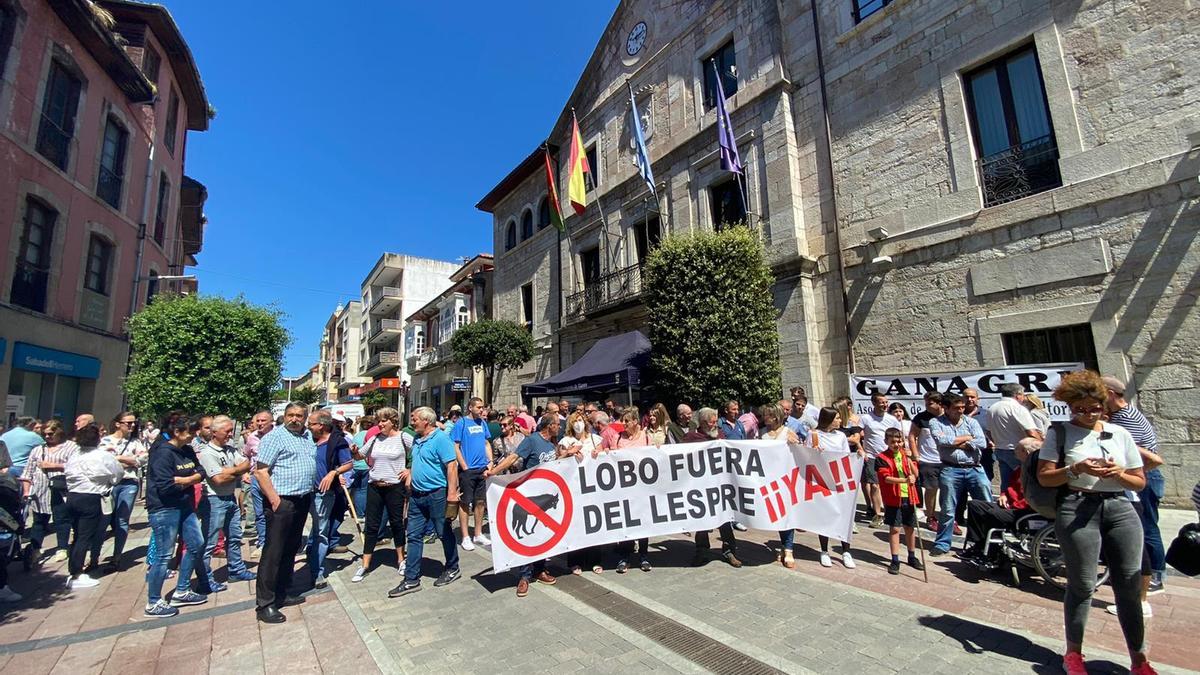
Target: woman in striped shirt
{"type": "Point", "coordinates": [48, 488]}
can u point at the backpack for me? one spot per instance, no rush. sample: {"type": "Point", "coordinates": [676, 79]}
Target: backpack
{"type": "Point", "coordinates": [1043, 499]}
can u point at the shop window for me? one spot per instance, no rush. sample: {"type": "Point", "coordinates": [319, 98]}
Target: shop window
{"type": "Point", "coordinates": [722, 62]}
{"type": "Point", "coordinates": [31, 274]}
{"type": "Point", "coordinates": [1010, 120]}
{"type": "Point", "coordinates": [56, 129]}
{"type": "Point", "coordinates": [1062, 344]}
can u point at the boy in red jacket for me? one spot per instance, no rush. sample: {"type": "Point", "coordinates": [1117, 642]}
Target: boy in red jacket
{"type": "Point", "coordinates": [898, 485]}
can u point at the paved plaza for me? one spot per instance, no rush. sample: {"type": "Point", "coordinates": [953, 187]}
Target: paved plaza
{"type": "Point", "coordinates": [761, 618]}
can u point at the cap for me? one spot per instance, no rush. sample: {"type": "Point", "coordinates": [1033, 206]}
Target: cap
{"type": "Point", "coordinates": [339, 416]}
{"type": "Point", "coordinates": [1114, 385]}
{"type": "Point", "coordinates": [456, 408]}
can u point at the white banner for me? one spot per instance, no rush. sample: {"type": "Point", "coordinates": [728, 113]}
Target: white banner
{"type": "Point", "coordinates": [621, 495]}
{"type": "Point", "coordinates": [910, 389]}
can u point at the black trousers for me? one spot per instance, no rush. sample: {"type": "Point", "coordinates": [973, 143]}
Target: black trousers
{"type": "Point", "coordinates": [84, 510]}
{"type": "Point", "coordinates": [586, 558]}
{"type": "Point", "coordinates": [728, 542]}
{"type": "Point", "coordinates": [983, 516]}
{"type": "Point", "coordinates": [625, 549]}
{"type": "Point", "coordinates": [285, 525]}
{"type": "Point", "coordinates": [379, 496]}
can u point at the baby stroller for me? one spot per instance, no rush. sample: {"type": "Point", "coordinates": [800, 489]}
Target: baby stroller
{"type": "Point", "coordinates": [14, 544]}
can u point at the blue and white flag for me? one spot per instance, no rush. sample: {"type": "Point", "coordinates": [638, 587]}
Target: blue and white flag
{"type": "Point", "coordinates": [730, 159]}
{"type": "Point", "coordinates": [639, 141]}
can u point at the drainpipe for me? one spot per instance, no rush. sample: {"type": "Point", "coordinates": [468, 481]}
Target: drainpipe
{"type": "Point", "coordinates": [837, 227]}
{"type": "Point", "coordinates": [137, 266]}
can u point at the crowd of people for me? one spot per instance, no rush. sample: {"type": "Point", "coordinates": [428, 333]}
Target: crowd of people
{"type": "Point", "coordinates": [419, 480]}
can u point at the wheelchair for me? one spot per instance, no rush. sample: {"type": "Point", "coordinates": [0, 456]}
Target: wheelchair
{"type": "Point", "coordinates": [1032, 544]}
{"type": "Point", "coordinates": [14, 541]}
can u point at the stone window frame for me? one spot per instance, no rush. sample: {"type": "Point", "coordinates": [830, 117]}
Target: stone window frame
{"type": "Point", "coordinates": [56, 53]}
{"type": "Point", "coordinates": [25, 191]}
{"type": "Point", "coordinates": [527, 216]}
{"type": "Point", "coordinates": [596, 140]}
{"type": "Point", "coordinates": [990, 345]}
{"type": "Point", "coordinates": [107, 110]}
{"type": "Point", "coordinates": [114, 271]}
{"type": "Point", "coordinates": [727, 32]}
{"type": "Point", "coordinates": [11, 40]}
{"type": "Point", "coordinates": [510, 227]}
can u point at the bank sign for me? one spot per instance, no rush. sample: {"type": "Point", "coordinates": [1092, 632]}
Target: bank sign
{"type": "Point", "coordinates": [910, 389]}
{"type": "Point", "coordinates": [44, 360]}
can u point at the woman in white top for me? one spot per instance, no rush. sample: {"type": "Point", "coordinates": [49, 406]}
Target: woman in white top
{"type": "Point", "coordinates": [91, 473]}
{"type": "Point", "coordinates": [581, 443]}
{"type": "Point", "coordinates": [828, 437]}
{"type": "Point", "coordinates": [124, 444]}
{"type": "Point", "coordinates": [773, 429]}
{"type": "Point", "coordinates": [1101, 462]}
{"type": "Point", "coordinates": [387, 471]}
{"type": "Point", "coordinates": [1037, 410]}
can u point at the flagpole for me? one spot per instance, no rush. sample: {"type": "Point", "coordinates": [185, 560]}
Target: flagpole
{"type": "Point", "coordinates": [739, 176]}
{"type": "Point", "coordinates": [599, 207]}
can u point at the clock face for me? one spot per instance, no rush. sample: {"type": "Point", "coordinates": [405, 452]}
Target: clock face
{"type": "Point", "coordinates": [637, 38]}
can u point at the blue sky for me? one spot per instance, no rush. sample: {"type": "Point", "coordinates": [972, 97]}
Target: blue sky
{"type": "Point", "coordinates": [345, 130]}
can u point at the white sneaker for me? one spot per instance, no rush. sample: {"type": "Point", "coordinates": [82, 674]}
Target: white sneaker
{"type": "Point", "coordinates": [848, 560]}
{"type": "Point", "coordinates": [60, 555]}
{"type": "Point", "coordinates": [825, 561]}
{"type": "Point", "coordinates": [1147, 610]}
{"type": "Point", "coordinates": [739, 527]}
{"type": "Point", "coordinates": [9, 595]}
{"type": "Point", "coordinates": [482, 540]}
{"type": "Point", "coordinates": [467, 545]}
{"type": "Point", "coordinates": [82, 581]}
{"type": "Point", "coordinates": [400, 568]}
{"type": "Point", "coordinates": [359, 575]}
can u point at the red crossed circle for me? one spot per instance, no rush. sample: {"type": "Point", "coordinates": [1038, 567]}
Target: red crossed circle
{"type": "Point", "coordinates": [511, 495]}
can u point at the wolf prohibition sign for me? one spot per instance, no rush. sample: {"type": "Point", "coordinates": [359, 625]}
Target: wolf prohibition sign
{"type": "Point", "coordinates": [519, 514]}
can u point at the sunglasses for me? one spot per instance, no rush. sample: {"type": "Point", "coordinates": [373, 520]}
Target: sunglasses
{"type": "Point", "coordinates": [1094, 410]}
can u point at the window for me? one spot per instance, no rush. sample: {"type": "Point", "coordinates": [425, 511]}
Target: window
{"type": "Point", "coordinates": [526, 224]}
{"type": "Point", "coordinates": [1010, 122]}
{"type": "Point", "coordinates": [172, 121]}
{"type": "Point", "coordinates": [160, 211]}
{"type": "Point", "coordinates": [544, 213]}
{"type": "Point", "coordinates": [150, 63]}
{"type": "Point", "coordinates": [592, 178]}
{"type": "Point", "coordinates": [99, 261]}
{"type": "Point", "coordinates": [527, 306]}
{"type": "Point", "coordinates": [112, 163]}
{"type": "Point", "coordinates": [464, 316]}
{"type": "Point", "coordinates": [8, 24]}
{"type": "Point", "coordinates": [31, 274]}
{"type": "Point", "coordinates": [1063, 344]}
{"type": "Point", "coordinates": [151, 286]}
{"type": "Point", "coordinates": [726, 64]}
{"type": "Point", "coordinates": [646, 236]}
{"type": "Point", "coordinates": [865, 8]}
{"type": "Point", "coordinates": [510, 235]}
{"type": "Point", "coordinates": [728, 205]}
{"type": "Point", "coordinates": [589, 264]}
{"type": "Point", "coordinates": [419, 341]}
{"type": "Point", "coordinates": [57, 127]}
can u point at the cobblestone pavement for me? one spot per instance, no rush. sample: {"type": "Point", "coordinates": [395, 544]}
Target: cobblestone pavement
{"type": "Point", "coordinates": [677, 618]}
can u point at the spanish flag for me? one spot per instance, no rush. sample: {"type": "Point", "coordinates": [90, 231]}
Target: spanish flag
{"type": "Point", "coordinates": [556, 217]}
{"type": "Point", "coordinates": [576, 168]}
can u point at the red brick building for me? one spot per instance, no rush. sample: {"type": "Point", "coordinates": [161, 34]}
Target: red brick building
{"type": "Point", "coordinates": [96, 100]}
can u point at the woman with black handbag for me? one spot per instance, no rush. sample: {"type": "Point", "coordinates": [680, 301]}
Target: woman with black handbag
{"type": "Point", "coordinates": [48, 488]}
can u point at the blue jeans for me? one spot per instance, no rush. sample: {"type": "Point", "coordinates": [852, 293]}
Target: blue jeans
{"type": "Point", "coordinates": [220, 514]}
{"type": "Point", "coordinates": [1150, 496]}
{"type": "Point", "coordinates": [123, 495]}
{"type": "Point", "coordinates": [260, 516]}
{"type": "Point", "coordinates": [787, 538]}
{"type": "Point", "coordinates": [423, 508]}
{"type": "Point", "coordinates": [166, 525]}
{"type": "Point", "coordinates": [357, 485]}
{"type": "Point", "coordinates": [318, 533]}
{"type": "Point", "coordinates": [1007, 459]}
{"type": "Point", "coordinates": [954, 484]}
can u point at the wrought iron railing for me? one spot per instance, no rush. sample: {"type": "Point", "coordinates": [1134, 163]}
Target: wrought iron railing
{"type": "Point", "coordinates": [608, 290]}
{"type": "Point", "coordinates": [433, 356]}
{"type": "Point", "coordinates": [1020, 171]}
{"type": "Point", "coordinates": [54, 142]}
{"type": "Point", "coordinates": [108, 186]}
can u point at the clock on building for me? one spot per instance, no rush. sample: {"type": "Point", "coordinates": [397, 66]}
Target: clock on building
{"type": "Point", "coordinates": [637, 38]}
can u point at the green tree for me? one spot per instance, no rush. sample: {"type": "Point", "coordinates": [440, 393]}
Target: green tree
{"type": "Point", "coordinates": [493, 347]}
{"type": "Point", "coordinates": [712, 320]}
{"type": "Point", "coordinates": [204, 354]}
{"type": "Point", "coordinates": [305, 395]}
{"type": "Point", "coordinates": [373, 400]}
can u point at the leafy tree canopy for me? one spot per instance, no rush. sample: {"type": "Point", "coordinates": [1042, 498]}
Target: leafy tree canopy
{"type": "Point", "coordinates": [712, 320]}
{"type": "Point", "coordinates": [305, 395]}
{"type": "Point", "coordinates": [492, 346]}
{"type": "Point", "coordinates": [204, 354]}
{"type": "Point", "coordinates": [373, 400]}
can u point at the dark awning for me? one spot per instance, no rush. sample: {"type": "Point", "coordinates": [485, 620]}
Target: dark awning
{"type": "Point", "coordinates": [612, 363]}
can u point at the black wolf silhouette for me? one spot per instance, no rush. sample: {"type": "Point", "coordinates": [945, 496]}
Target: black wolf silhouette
{"type": "Point", "coordinates": [522, 524]}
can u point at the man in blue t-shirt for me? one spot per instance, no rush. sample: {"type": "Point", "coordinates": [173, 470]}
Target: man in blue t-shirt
{"type": "Point", "coordinates": [20, 442]}
{"type": "Point", "coordinates": [434, 483]}
{"type": "Point", "coordinates": [329, 500]}
{"type": "Point", "coordinates": [473, 446]}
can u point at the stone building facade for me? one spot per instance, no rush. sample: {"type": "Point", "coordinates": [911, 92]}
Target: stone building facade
{"type": "Point", "coordinates": [940, 185]}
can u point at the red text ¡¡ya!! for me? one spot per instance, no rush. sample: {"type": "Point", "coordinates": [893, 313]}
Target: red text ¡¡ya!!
{"type": "Point", "coordinates": [785, 492]}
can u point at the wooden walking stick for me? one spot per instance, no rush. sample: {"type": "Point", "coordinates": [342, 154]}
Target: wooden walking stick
{"type": "Point", "coordinates": [920, 538]}
{"type": "Point", "coordinates": [353, 512]}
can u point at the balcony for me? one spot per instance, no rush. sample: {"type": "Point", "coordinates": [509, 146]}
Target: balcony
{"type": "Point", "coordinates": [382, 361]}
{"type": "Point", "coordinates": [387, 298]}
{"type": "Point", "coordinates": [432, 357]}
{"type": "Point", "coordinates": [607, 292]}
{"type": "Point", "coordinates": [389, 329]}
{"type": "Point", "coordinates": [1020, 171]}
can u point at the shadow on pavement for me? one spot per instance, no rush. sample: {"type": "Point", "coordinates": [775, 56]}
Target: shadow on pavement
{"type": "Point", "coordinates": [978, 638]}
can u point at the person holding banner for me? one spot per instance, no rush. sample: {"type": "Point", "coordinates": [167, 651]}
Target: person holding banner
{"type": "Point", "coordinates": [827, 437]}
{"type": "Point", "coordinates": [707, 430]}
{"type": "Point", "coordinates": [775, 430]}
{"type": "Point", "coordinates": [631, 436]}
{"type": "Point", "coordinates": [581, 443]}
